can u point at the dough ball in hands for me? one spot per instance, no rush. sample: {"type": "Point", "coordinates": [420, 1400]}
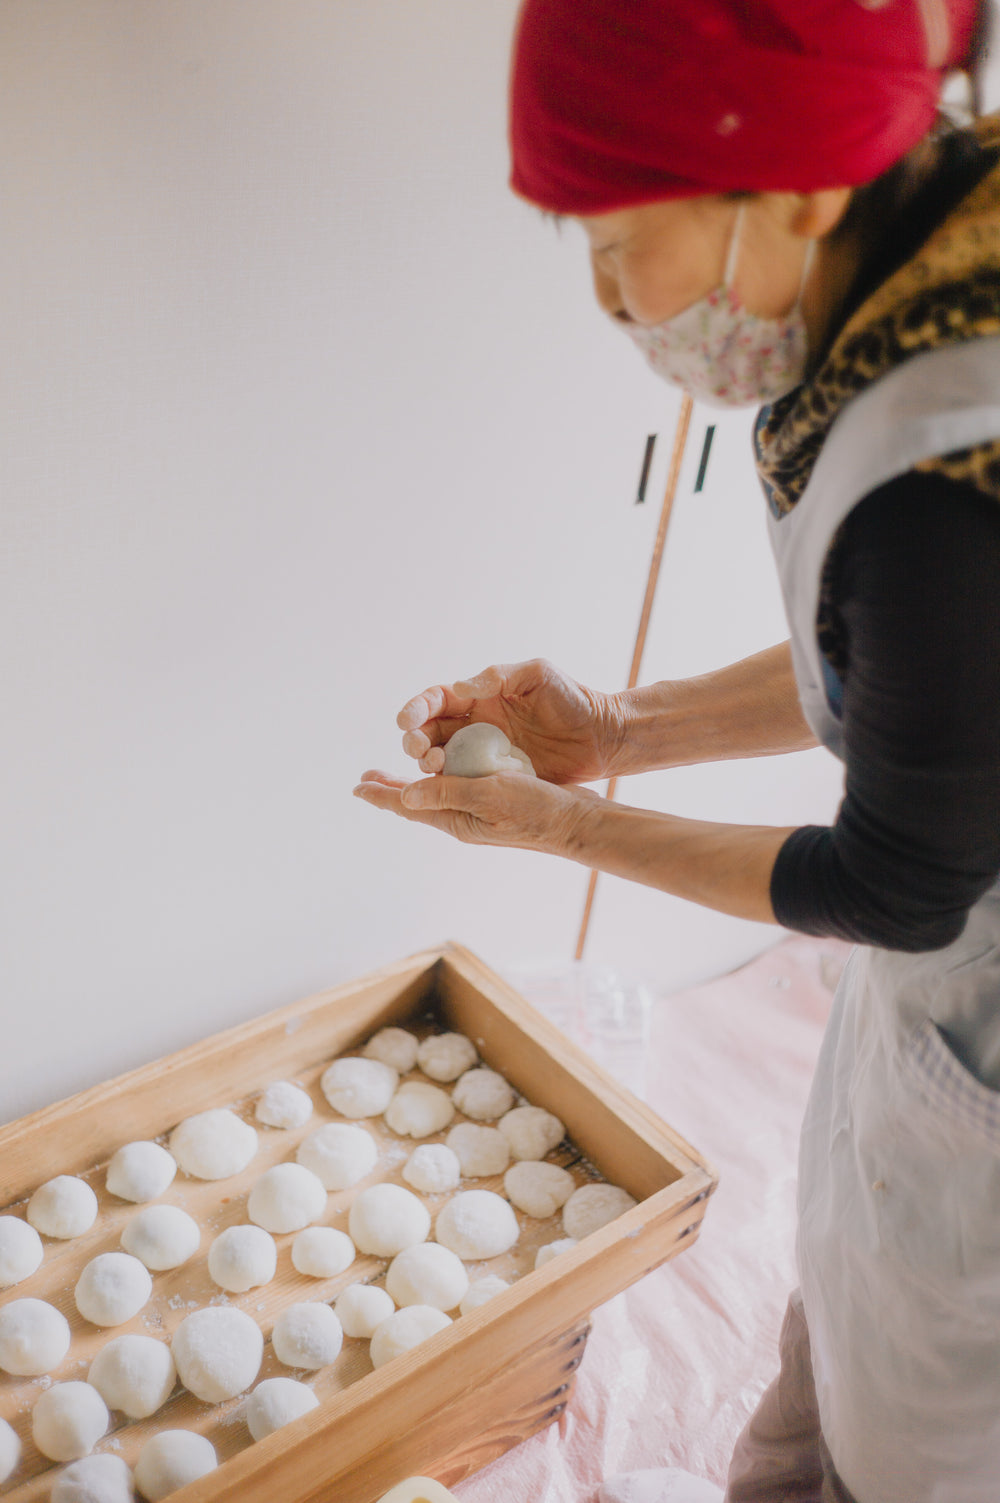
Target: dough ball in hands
{"type": "Point", "coordinates": [446, 1056]}
{"type": "Point", "coordinates": [112, 1288]}
{"type": "Point", "coordinates": [321, 1252]}
{"type": "Point", "coordinates": [162, 1237]}
{"type": "Point", "coordinates": [214, 1144]}
{"type": "Point", "coordinates": [417, 1110]}
{"type": "Point", "coordinates": [95, 1479]}
{"type": "Point", "coordinates": [282, 1104]}
{"type": "Point", "coordinates": [531, 1132]}
{"type": "Point", "coordinates": [242, 1258]}
{"type": "Point", "coordinates": [63, 1207]}
{"type": "Point", "coordinates": [339, 1154]}
{"type": "Point", "coordinates": [480, 1150]}
{"type": "Point", "coordinates": [385, 1219]}
{"type": "Point", "coordinates": [276, 1402]}
{"type": "Point", "coordinates": [538, 1189]}
{"type": "Point", "coordinates": [475, 751]}
{"type": "Point", "coordinates": [286, 1198]}
{"type": "Point", "coordinates": [307, 1335]}
{"type": "Point", "coordinates": [34, 1338]}
{"type": "Point", "coordinates": [172, 1459]}
{"type": "Point", "coordinates": [68, 1420]}
{"type": "Point", "coordinates": [218, 1353]}
{"type": "Point", "coordinates": [428, 1274]}
{"type": "Point", "coordinates": [134, 1374]}
{"type": "Point", "coordinates": [10, 1450]}
{"type": "Point", "coordinates": [359, 1087]}
{"type": "Point", "coordinates": [21, 1250]}
{"type": "Point", "coordinates": [403, 1331]}
{"type": "Point", "coordinates": [593, 1206]}
{"type": "Point", "coordinates": [394, 1047]}
{"type": "Point", "coordinates": [433, 1168]}
{"type": "Point", "coordinates": [360, 1308]}
{"type": "Point", "coordinates": [483, 1095]}
{"type": "Point", "coordinates": [477, 1224]}
{"type": "Point", "coordinates": [140, 1171]}
{"type": "Point", "coordinates": [481, 1291]}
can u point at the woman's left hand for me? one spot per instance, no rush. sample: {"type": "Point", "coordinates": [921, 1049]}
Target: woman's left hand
{"type": "Point", "coordinates": [506, 808]}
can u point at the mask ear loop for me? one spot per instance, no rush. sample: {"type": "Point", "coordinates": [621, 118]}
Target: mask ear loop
{"type": "Point", "coordinates": [806, 269]}
{"type": "Point", "coordinates": [734, 246]}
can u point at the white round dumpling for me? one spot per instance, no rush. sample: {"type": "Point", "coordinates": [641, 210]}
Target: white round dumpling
{"type": "Point", "coordinates": [134, 1374]}
{"type": "Point", "coordinates": [307, 1335]}
{"type": "Point", "coordinates": [385, 1219]}
{"type": "Point", "coordinates": [480, 1150]}
{"type": "Point", "coordinates": [480, 1291]}
{"type": "Point", "coordinates": [475, 751]}
{"type": "Point", "coordinates": [446, 1056]}
{"type": "Point", "coordinates": [358, 1087]}
{"type": "Point", "coordinates": [477, 1224]}
{"type": "Point", "coordinates": [531, 1132]}
{"type": "Point", "coordinates": [321, 1252]}
{"type": "Point", "coordinates": [21, 1250]}
{"type": "Point", "coordinates": [552, 1250]}
{"type": "Point", "coordinates": [140, 1171]}
{"type": "Point", "coordinates": [417, 1110]}
{"type": "Point", "coordinates": [10, 1450]}
{"type": "Point", "coordinates": [339, 1154]}
{"type": "Point", "coordinates": [172, 1459]}
{"type": "Point", "coordinates": [360, 1308]}
{"type": "Point", "coordinates": [94, 1479]}
{"type": "Point", "coordinates": [286, 1198]}
{"type": "Point", "coordinates": [218, 1352]}
{"type": "Point", "coordinates": [403, 1331]}
{"type": "Point", "coordinates": [432, 1168]}
{"type": "Point", "coordinates": [68, 1420]}
{"type": "Point", "coordinates": [483, 1095]}
{"type": "Point", "coordinates": [112, 1288]}
{"type": "Point", "coordinates": [162, 1237]}
{"type": "Point", "coordinates": [538, 1189]}
{"type": "Point", "coordinates": [593, 1206]}
{"type": "Point", "coordinates": [213, 1145]}
{"type": "Point", "coordinates": [276, 1402]}
{"type": "Point", "coordinates": [242, 1258]}
{"type": "Point", "coordinates": [34, 1338]}
{"type": "Point", "coordinates": [393, 1046]}
{"type": "Point", "coordinates": [282, 1104]}
{"type": "Point", "coordinates": [63, 1207]}
{"type": "Point", "coordinates": [428, 1274]}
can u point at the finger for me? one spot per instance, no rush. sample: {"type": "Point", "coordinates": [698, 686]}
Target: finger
{"type": "Point", "coordinates": [440, 700]}
{"type": "Point", "coordinates": [485, 685]}
{"type": "Point", "coordinates": [431, 794]}
{"type": "Point", "coordinates": [434, 760]}
{"type": "Point", "coordinates": [375, 775]}
{"type": "Point", "coordinates": [417, 743]}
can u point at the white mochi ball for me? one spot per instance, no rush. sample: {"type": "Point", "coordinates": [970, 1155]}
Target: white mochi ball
{"type": "Point", "coordinates": [480, 1150]}
{"type": "Point", "coordinates": [134, 1374]}
{"type": "Point", "coordinates": [34, 1338]}
{"type": "Point", "coordinates": [446, 1056]}
{"type": "Point", "coordinates": [112, 1288]}
{"type": "Point", "coordinates": [427, 1274]}
{"type": "Point", "coordinates": [162, 1236]}
{"type": "Point", "coordinates": [538, 1189]}
{"type": "Point", "coordinates": [483, 1095]}
{"type": "Point", "coordinates": [359, 1087]}
{"type": "Point", "coordinates": [475, 751]}
{"type": "Point", "coordinates": [593, 1206]}
{"type": "Point", "coordinates": [417, 1110]}
{"type": "Point", "coordinates": [406, 1329]}
{"type": "Point", "coordinates": [481, 1291]}
{"type": "Point", "coordinates": [172, 1459]}
{"type": "Point", "coordinates": [552, 1250]}
{"type": "Point", "coordinates": [362, 1307]}
{"type": "Point", "coordinates": [283, 1104]}
{"type": "Point", "coordinates": [63, 1207]}
{"type": "Point", "coordinates": [276, 1402]}
{"type": "Point", "coordinates": [393, 1046]}
{"type": "Point", "coordinates": [242, 1258]}
{"type": "Point", "coordinates": [10, 1450]}
{"type": "Point", "coordinates": [432, 1168]}
{"type": "Point", "coordinates": [531, 1132]}
{"type": "Point", "coordinates": [386, 1218]}
{"type": "Point", "coordinates": [68, 1420]}
{"type": "Point", "coordinates": [339, 1154]}
{"type": "Point", "coordinates": [321, 1252]}
{"type": "Point", "coordinates": [286, 1198]}
{"type": "Point", "coordinates": [95, 1479]}
{"type": "Point", "coordinates": [214, 1144]}
{"type": "Point", "coordinates": [140, 1171]}
{"type": "Point", "coordinates": [218, 1353]}
{"type": "Point", "coordinates": [20, 1250]}
{"type": "Point", "coordinates": [307, 1335]}
{"type": "Point", "coordinates": [477, 1224]}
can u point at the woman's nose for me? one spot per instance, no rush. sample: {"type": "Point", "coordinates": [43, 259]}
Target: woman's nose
{"type": "Point", "coordinates": [607, 292]}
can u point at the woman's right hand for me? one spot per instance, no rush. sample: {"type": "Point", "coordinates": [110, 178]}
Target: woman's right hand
{"type": "Point", "coordinates": [570, 733]}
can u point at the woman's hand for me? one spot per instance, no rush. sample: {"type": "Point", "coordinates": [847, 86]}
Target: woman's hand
{"type": "Point", "coordinates": [570, 733]}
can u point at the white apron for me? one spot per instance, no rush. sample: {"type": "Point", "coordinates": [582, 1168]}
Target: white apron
{"type": "Point", "coordinates": [899, 1169]}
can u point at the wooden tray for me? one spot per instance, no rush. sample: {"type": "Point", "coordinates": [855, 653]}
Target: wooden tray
{"type": "Point", "coordinates": [460, 1399]}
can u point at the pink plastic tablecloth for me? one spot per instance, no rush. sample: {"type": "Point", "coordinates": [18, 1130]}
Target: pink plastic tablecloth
{"type": "Point", "coordinates": [675, 1364]}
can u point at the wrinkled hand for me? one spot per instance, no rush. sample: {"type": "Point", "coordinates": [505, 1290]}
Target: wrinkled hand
{"type": "Point", "coordinates": [569, 732]}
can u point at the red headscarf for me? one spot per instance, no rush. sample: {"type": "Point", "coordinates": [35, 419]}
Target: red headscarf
{"type": "Point", "coordinates": [619, 102]}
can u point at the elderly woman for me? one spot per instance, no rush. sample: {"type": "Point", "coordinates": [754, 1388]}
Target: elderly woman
{"type": "Point", "coordinates": [777, 214]}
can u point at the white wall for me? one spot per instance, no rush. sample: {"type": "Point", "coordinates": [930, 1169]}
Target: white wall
{"type": "Point", "coordinates": [302, 410]}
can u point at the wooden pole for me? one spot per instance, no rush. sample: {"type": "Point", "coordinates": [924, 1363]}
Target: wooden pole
{"type": "Point", "coordinates": [673, 476]}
